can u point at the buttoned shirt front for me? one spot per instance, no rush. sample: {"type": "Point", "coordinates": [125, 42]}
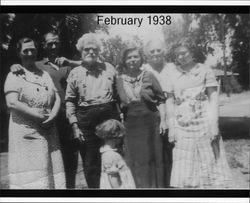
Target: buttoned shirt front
{"type": "Point", "coordinates": [88, 87]}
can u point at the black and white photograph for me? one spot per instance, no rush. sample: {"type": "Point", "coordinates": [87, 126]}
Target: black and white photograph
{"type": "Point", "coordinates": [125, 101]}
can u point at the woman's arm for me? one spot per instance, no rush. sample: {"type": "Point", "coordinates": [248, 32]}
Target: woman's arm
{"type": "Point", "coordinates": [213, 101]}
{"type": "Point", "coordinates": [170, 116]}
{"type": "Point", "coordinates": [160, 97]}
{"type": "Point", "coordinates": [55, 109]}
{"type": "Point", "coordinates": [163, 124]}
{"type": "Point", "coordinates": [115, 180]}
{"type": "Point", "coordinates": [57, 105]}
{"type": "Point", "coordinates": [14, 104]}
{"type": "Point", "coordinates": [121, 93]}
{"type": "Point", "coordinates": [113, 173]}
{"type": "Point", "coordinates": [215, 136]}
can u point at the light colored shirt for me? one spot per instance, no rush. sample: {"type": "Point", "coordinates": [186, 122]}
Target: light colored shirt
{"type": "Point", "coordinates": [87, 88]}
{"type": "Point", "coordinates": [161, 76]}
{"type": "Point", "coordinates": [193, 115]}
{"type": "Point", "coordinates": [178, 79]}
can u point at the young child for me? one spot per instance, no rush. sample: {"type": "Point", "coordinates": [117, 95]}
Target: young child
{"type": "Point", "coordinates": [115, 172]}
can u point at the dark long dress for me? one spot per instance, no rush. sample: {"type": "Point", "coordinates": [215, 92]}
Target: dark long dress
{"type": "Point", "coordinates": [143, 143]}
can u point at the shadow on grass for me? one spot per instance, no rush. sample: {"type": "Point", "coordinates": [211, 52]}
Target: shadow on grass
{"type": "Point", "coordinates": [234, 127]}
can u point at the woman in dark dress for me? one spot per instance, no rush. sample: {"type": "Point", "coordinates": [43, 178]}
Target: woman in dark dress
{"type": "Point", "coordinates": [141, 96]}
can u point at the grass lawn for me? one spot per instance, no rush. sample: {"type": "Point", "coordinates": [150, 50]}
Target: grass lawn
{"type": "Point", "coordinates": [238, 156]}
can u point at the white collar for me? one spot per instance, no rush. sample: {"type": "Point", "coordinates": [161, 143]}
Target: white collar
{"type": "Point", "coordinates": [106, 148]}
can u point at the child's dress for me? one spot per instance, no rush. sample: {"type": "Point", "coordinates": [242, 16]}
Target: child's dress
{"type": "Point", "coordinates": [112, 162]}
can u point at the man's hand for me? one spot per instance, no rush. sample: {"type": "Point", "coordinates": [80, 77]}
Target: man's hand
{"type": "Point", "coordinates": [17, 69]}
{"type": "Point", "coordinates": [62, 61]}
{"type": "Point", "coordinates": [77, 133]}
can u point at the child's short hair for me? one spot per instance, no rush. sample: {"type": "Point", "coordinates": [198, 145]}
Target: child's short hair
{"type": "Point", "coordinates": [110, 129]}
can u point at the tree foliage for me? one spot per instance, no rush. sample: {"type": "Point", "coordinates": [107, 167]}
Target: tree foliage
{"type": "Point", "coordinates": [69, 26]}
{"type": "Point", "coordinates": [223, 38]}
{"type": "Point", "coordinates": [113, 47]}
{"type": "Point", "coordinates": [240, 45]}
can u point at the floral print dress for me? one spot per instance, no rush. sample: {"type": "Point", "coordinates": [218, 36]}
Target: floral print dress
{"type": "Point", "coordinates": [194, 163]}
{"type": "Point", "coordinates": [34, 157]}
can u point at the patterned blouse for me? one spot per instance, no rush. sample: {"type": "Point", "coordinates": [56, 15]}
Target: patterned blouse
{"type": "Point", "coordinates": [192, 110]}
{"type": "Point", "coordinates": [145, 87]}
{"type": "Point", "coordinates": [36, 91]}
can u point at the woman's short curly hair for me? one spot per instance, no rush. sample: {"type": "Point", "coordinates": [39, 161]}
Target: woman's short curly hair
{"type": "Point", "coordinates": [154, 40]}
{"type": "Point", "coordinates": [121, 68]}
{"type": "Point", "coordinates": [196, 50]}
{"type": "Point", "coordinates": [87, 38]}
{"type": "Point", "coordinates": [110, 129]}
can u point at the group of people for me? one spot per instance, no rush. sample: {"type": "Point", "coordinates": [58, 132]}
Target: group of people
{"type": "Point", "coordinates": [143, 124]}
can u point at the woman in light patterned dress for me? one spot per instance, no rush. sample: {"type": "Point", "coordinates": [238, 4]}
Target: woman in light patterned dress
{"type": "Point", "coordinates": [199, 159]}
{"type": "Point", "coordinates": [34, 158]}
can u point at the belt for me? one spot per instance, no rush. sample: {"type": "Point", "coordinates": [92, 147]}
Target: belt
{"type": "Point", "coordinates": [95, 106]}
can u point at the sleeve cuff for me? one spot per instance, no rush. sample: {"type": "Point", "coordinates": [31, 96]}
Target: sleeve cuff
{"type": "Point", "coordinates": [72, 120]}
{"type": "Point", "coordinates": [212, 84]}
